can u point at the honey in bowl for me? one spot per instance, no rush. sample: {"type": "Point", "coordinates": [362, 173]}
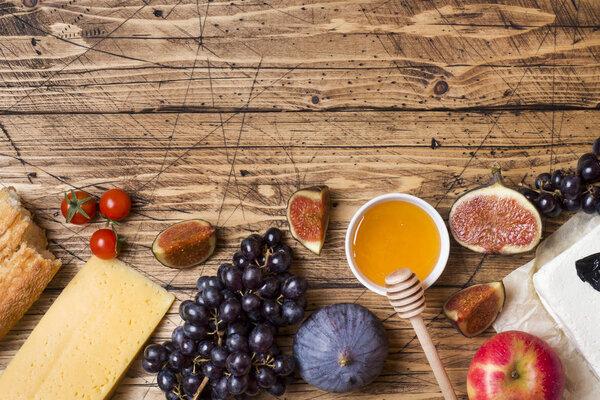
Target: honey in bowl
{"type": "Point", "coordinates": [393, 235]}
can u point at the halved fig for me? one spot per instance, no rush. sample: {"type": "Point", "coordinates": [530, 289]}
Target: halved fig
{"type": "Point", "coordinates": [185, 244]}
{"type": "Point", "coordinates": [495, 219]}
{"type": "Point", "coordinates": [308, 216]}
{"type": "Point", "coordinates": [474, 309]}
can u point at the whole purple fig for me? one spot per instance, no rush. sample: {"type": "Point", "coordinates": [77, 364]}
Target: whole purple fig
{"type": "Point", "coordinates": [340, 348]}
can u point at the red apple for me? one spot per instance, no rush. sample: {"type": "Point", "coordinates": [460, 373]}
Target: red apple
{"type": "Point", "coordinates": [515, 365]}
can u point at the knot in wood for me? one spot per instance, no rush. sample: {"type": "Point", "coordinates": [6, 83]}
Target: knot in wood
{"type": "Point", "coordinates": [440, 88]}
{"type": "Point", "coordinates": [30, 3]}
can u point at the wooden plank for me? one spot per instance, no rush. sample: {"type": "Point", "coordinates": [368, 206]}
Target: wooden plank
{"type": "Point", "coordinates": [120, 56]}
{"type": "Point", "coordinates": [237, 171]}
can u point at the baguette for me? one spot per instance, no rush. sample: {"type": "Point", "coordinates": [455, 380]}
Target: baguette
{"type": "Point", "coordinates": [26, 266]}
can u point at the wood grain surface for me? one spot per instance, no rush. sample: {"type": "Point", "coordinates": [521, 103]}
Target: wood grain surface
{"type": "Point", "coordinates": [180, 103]}
{"type": "Point", "coordinates": [90, 56]}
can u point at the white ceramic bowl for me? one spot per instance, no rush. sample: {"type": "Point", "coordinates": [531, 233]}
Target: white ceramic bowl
{"type": "Point", "coordinates": [439, 222]}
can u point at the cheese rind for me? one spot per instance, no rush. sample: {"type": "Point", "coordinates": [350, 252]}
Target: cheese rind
{"type": "Point", "coordinates": [89, 336]}
{"type": "Point", "coordinates": [572, 303]}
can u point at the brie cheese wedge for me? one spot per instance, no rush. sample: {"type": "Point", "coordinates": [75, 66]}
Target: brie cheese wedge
{"type": "Point", "coordinates": [572, 303]}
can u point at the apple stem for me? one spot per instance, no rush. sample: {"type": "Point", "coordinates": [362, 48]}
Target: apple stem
{"type": "Point", "coordinates": [514, 374]}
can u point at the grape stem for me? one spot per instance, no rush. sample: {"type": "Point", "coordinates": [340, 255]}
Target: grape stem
{"type": "Point", "coordinates": [200, 388]}
{"type": "Point", "coordinates": [219, 343]}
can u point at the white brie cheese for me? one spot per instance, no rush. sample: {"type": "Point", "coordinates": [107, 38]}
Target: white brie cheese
{"type": "Point", "coordinates": [574, 304]}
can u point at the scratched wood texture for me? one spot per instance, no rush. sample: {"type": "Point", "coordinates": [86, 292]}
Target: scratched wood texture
{"type": "Point", "coordinates": [180, 103]}
{"type": "Point", "coordinates": [127, 55]}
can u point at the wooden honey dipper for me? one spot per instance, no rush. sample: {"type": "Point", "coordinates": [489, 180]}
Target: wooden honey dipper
{"type": "Point", "coordinates": [406, 294]}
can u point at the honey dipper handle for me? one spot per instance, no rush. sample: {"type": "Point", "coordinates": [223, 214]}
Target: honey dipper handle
{"type": "Point", "coordinates": [433, 358]}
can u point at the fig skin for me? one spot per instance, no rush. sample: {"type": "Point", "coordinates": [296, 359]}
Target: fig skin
{"type": "Point", "coordinates": [474, 309]}
{"type": "Point", "coordinates": [185, 244]}
{"type": "Point", "coordinates": [519, 236]}
{"type": "Point", "coordinates": [312, 206]}
{"type": "Point", "coordinates": [340, 348]}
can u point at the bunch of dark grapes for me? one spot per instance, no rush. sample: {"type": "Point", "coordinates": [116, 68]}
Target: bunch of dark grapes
{"type": "Point", "coordinates": [569, 191]}
{"type": "Point", "coordinates": [226, 347]}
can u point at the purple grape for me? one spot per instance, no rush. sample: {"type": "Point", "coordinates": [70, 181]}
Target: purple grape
{"type": "Point", "coordinates": [596, 147]}
{"type": "Point", "coordinates": [252, 389]}
{"type": "Point", "coordinates": [239, 260]}
{"type": "Point", "coordinates": [168, 345]}
{"type": "Point", "coordinates": [583, 159]}
{"type": "Point", "coordinates": [212, 297]}
{"type": "Point", "coordinates": [279, 262]}
{"type": "Point", "coordinates": [265, 377]}
{"type": "Point", "coordinates": [589, 203]}
{"type": "Point", "coordinates": [237, 342]}
{"type": "Point", "coordinates": [529, 194]}
{"type": "Point", "coordinates": [295, 286]}
{"type": "Point", "coordinates": [191, 383]}
{"type": "Point", "coordinates": [215, 282]}
{"type": "Point", "coordinates": [557, 209]}
{"type": "Point", "coordinates": [220, 270]}
{"type": "Point", "coordinates": [284, 248]}
{"type": "Point", "coordinates": [273, 237]}
{"type": "Point", "coordinates": [284, 365]}
{"type": "Point", "coordinates": [205, 347]}
{"type": "Point", "coordinates": [232, 278]}
{"type": "Point", "coordinates": [291, 312]}
{"type": "Point", "coordinates": [194, 313]}
{"type": "Point", "coordinates": [230, 310]}
{"type": "Point", "coordinates": [237, 384]}
{"type": "Point", "coordinates": [543, 181]}
{"type": "Point", "coordinates": [238, 327]}
{"type": "Point", "coordinates": [195, 332]}
{"type": "Point", "coordinates": [172, 396]}
{"type": "Point", "coordinates": [166, 380]}
{"type": "Point", "coordinates": [219, 356]}
{"type": "Point", "coordinates": [261, 338]}
{"type": "Point", "coordinates": [151, 366]}
{"type": "Point", "coordinates": [156, 353]}
{"type": "Point", "coordinates": [188, 370]}
{"type": "Point", "coordinates": [269, 288]}
{"type": "Point", "coordinates": [211, 371]}
{"type": "Point", "coordinates": [270, 308]}
{"type": "Point", "coordinates": [177, 337]}
{"type": "Point", "coordinates": [572, 205]}
{"type": "Point", "coordinates": [278, 388]}
{"type": "Point", "coordinates": [228, 294]}
{"type": "Point", "coordinates": [239, 363]}
{"type": "Point", "coordinates": [252, 277]}
{"type": "Point", "coordinates": [201, 283]}
{"type": "Point", "coordinates": [187, 347]}
{"type": "Point", "coordinates": [251, 247]}
{"type": "Point", "coordinates": [571, 186]}
{"type": "Point", "coordinates": [177, 361]}
{"type": "Point", "coordinates": [590, 170]}
{"type": "Point", "coordinates": [557, 177]}
{"type": "Point", "coordinates": [251, 302]}
{"type": "Point", "coordinates": [220, 387]}
{"type": "Point", "coordinates": [546, 202]}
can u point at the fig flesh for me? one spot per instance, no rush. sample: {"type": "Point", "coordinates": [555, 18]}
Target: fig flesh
{"type": "Point", "coordinates": [185, 244]}
{"type": "Point", "coordinates": [308, 216]}
{"type": "Point", "coordinates": [474, 309]}
{"type": "Point", "coordinates": [340, 348]}
{"type": "Point", "coordinates": [495, 219]}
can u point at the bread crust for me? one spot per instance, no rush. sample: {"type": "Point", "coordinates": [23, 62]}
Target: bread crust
{"type": "Point", "coordinates": [26, 267]}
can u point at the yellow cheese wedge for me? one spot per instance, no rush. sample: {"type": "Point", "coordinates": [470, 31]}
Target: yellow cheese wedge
{"type": "Point", "coordinates": [89, 336]}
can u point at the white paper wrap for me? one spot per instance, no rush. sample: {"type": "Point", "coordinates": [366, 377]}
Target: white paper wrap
{"type": "Point", "coordinates": [523, 310]}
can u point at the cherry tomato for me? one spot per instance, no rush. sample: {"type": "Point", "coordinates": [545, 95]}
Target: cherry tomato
{"type": "Point", "coordinates": [115, 204]}
{"type": "Point", "coordinates": [78, 207]}
{"type": "Point", "coordinates": [105, 244]}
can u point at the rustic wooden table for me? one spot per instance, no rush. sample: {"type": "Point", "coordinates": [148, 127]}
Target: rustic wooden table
{"type": "Point", "coordinates": [221, 109]}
